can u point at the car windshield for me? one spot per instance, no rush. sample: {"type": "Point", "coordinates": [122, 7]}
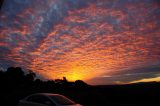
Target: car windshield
{"type": "Point", "coordinates": [62, 100]}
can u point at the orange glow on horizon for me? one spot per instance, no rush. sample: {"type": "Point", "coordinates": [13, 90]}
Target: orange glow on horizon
{"type": "Point", "coordinates": [156, 79]}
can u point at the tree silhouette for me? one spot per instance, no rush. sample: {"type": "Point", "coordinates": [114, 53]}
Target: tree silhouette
{"type": "Point", "coordinates": [30, 76]}
{"type": "Point", "coordinates": [15, 72]}
{"type": "Point", "coordinates": [1, 3]}
{"type": "Point", "coordinates": [15, 75]}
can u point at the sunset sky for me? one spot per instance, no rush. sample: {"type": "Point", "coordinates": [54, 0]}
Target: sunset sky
{"type": "Point", "coordinates": [98, 41]}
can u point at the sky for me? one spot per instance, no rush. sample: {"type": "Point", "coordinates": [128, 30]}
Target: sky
{"type": "Point", "coordinates": [98, 41]}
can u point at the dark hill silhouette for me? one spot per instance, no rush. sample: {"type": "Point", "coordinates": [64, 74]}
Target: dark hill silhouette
{"type": "Point", "coordinates": [15, 85]}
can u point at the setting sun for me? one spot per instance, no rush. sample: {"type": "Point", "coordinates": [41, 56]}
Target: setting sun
{"type": "Point", "coordinates": [75, 76]}
{"type": "Point", "coordinates": [76, 73]}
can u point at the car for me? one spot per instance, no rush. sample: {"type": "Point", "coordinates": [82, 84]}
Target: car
{"type": "Point", "coordinates": [47, 99]}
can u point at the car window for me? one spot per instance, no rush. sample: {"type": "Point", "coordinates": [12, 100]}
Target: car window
{"type": "Point", "coordinates": [62, 100]}
{"type": "Point", "coordinates": [40, 99]}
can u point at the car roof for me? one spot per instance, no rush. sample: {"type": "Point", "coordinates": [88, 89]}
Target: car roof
{"type": "Point", "coordinates": [47, 94]}
{"type": "Point", "coordinates": [44, 94]}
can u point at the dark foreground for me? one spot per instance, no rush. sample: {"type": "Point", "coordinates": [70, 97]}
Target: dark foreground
{"type": "Point", "coordinates": [15, 85]}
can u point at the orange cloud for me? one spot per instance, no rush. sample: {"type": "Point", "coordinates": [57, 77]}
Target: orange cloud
{"type": "Point", "coordinates": [156, 79]}
{"type": "Point", "coordinates": [84, 46]}
{"type": "Point", "coordinates": [94, 40]}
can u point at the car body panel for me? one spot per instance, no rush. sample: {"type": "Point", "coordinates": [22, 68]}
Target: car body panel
{"type": "Point", "coordinates": [24, 101]}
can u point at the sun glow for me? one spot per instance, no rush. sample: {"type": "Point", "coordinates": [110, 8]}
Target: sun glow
{"type": "Point", "coordinates": [76, 73]}
{"type": "Point", "coordinates": [75, 76]}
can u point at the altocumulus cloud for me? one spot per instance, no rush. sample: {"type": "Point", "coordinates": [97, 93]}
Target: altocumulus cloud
{"type": "Point", "coordinates": [81, 39]}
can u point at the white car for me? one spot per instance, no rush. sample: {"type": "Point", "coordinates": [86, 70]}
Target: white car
{"type": "Point", "coordinates": [47, 99]}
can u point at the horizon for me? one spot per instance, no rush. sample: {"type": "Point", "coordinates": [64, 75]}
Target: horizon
{"type": "Point", "coordinates": [97, 41]}
{"type": "Point", "coordinates": [36, 77]}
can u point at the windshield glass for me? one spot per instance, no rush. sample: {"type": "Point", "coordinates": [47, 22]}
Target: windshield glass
{"type": "Point", "coordinates": [62, 100]}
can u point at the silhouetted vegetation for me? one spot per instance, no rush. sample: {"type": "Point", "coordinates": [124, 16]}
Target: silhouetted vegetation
{"type": "Point", "coordinates": [15, 85]}
{"type": "Point", "coordinates": [1, 2]}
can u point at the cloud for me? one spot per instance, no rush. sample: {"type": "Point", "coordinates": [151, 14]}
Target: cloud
{"type": "Point", "coordinates": [156, 79]}
{"type": "Point", "coordinates": [125, 78]}
{"type": "Point", "coordinates": [80, 38]}
{"type": "Point", "coordinates": [129, 75]}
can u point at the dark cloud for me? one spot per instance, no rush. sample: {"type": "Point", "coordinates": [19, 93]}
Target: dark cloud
{"type": "Point", "coordinates": [128, 76]}
{"type": "Point", "coordinates": [123, 79]}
